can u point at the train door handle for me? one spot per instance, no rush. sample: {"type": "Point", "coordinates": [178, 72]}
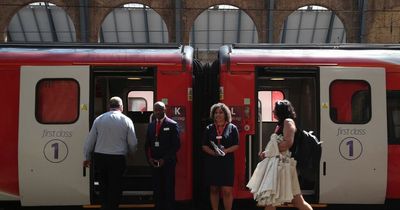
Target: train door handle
{"type": "Point", "coordinates": [84, 171]}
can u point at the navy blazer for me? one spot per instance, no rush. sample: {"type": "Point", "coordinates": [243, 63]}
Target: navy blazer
{"type": "Point", "coordinates": [168, 139]}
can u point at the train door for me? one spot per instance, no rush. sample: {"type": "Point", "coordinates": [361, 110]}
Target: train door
{"type": "Point", "coordinates": [251, 96]}
{"type": "Point", "coordinates": [53, 124]}
{"type": "Point", "coordinates": [354, 135]}
{"type": "Point", "coordinates": [299, 86]}
{"type": "Point", "coordinates": [136, 87]}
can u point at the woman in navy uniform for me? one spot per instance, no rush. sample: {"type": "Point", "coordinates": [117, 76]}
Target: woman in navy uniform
{"type": "Point", "coordinates": [162, 144]}
{"type": "Point", "coordinates": [220, 140]}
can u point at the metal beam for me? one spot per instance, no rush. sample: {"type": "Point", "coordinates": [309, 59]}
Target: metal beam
{"type": "Point", "coordinates": [162, 31]}
{"type": "Point", "coordinates": [299, 27]}
{"type": "Point", "coordinates": [22, 27]}
{"type": "Point", "coordinates": [194, 35]}
{"type": "Point", "coordinates": [115, 25]}
{"type": "Point", "coordinates": [178, 20]}
{"type": "Point", "coordinates": [84, 20]}
{"type": "Point", "coordinates": [315, 26]}
{"type": "Point", "coordinates": [223, 27]}
{"type": "Point", "coordinates": [37, 24]}
{"type": "Point", "coordinates": [101, 35]}
{"type": "Point", "coordinates": [253, 33]}
{"type": "Point", "coordinates": [131, 24]}
{"type": "Point", "coordinates": [69, 27]}
{"type": "Point", "coordinates": [271, 21]}
{"type": "Point", "coordinates": [52, 26]}
{"type": "Point", "coordinates": [239, 26]}
{"type": "Point", "coordinates": [363, 7]}
{"type": "Point", "coordinates": [208, 29]}
{"type": "Point", "coordinates": [284, 31]}
{"type": "Point", "coordinates": [329, 33]}
{"type": "Point", "coordinates": [146, 24]}
{"type": "Point", "coordinates": [9, 38]}
{"type": "Point", "coordinates": [343, 33]}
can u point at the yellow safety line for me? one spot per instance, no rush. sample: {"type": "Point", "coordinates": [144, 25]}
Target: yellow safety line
{"type": "Point", "coordinates": [122, 206]}
{"type": "Point", "coordinates": [314, 205]}
{"type": "Point", "coordinates": [290, 205]}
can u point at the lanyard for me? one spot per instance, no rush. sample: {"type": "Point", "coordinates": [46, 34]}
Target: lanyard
{"type": "Point", "coordinates": [219, 133]}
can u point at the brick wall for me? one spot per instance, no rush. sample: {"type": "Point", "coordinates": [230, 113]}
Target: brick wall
{"type": "Point", "coordinates": [382, 17]}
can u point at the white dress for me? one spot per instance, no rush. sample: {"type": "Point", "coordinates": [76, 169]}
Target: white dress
{"type": "Point", "coordinates": [274, 181]}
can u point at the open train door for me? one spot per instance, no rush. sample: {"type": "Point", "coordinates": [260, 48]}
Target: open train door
{"type": "Point", "coordinates": [53, 124]}
{"type": "Point", "coordinates": [354, 135]}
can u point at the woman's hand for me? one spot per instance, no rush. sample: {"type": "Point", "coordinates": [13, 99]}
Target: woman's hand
{"type": "Point", "coordinates": [230, 149]}
{"type": "Point", "coordinates": [261, 155]}
{"type": "Point", "coordinates": [209, 151]}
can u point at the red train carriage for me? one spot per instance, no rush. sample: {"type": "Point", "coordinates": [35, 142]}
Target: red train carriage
{"type": "Point", "coordinates": [50, 96]}
{"type": "Point", "coordinates": [349, 95]}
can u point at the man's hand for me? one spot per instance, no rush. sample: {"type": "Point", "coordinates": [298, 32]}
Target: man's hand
{"type": "Point", "coordinates": [160, 162]}
{"type": "Point", "coordinates": [154, 163]}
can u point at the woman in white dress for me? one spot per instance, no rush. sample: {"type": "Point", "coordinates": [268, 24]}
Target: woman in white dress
{"type": "Point", "coordinates": [287, 186]}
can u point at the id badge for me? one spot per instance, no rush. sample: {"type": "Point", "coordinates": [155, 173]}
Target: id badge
{"type": "Point", "coordinates": [218, 137]}
{"type": "Point", "coordinates": [156, 144]}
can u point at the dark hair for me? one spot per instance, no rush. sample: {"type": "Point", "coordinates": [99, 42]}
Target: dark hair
{"type": "Point", "coordinates": [284, 109]}
{"type": "Point", "coordinates": [224, 108]}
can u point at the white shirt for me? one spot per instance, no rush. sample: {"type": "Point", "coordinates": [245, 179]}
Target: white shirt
{"type": "Point", "coordinates": [112, 133]}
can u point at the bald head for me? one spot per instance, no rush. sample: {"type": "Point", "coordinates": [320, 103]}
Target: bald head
{"type": "Point", "coordinates": [159, 104]}
{"type": "Point", "coordinates": [159, 110]}
{"type": "Point", "coordinates": [116, 103]}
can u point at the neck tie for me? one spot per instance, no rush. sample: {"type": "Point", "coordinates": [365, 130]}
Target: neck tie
{"type": "Point", "coordinates": [158, 126]}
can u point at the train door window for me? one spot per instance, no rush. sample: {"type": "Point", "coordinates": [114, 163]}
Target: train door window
{"type": "Point", "coordinates": [267, 101]}
{"type": "Point", "coordinates": [393, 116]}
{"type": "Point", "coordinates": [57, 101]}
{"type": "Point", "coordinates": [350, 101]}
{"type": "Point", "coordinates": [140, 101]}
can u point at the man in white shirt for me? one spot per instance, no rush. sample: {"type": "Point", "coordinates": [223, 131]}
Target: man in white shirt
{"type": "Point", "coordinates": [111, 138]}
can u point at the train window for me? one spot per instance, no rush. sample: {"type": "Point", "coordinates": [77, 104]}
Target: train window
{"type": "Point", "coordinates": [393, 116]}
{"type": "Point", "coordinates": [267, 100]}
{"type": "Point", "coordinates": [140, 106]}
{"type": "Point", "coordinates": [350, 101]}
{"type": "Point", "coordinates": [140, 101]}
{"type": "Point", "coordinates": [137, 104]}
{"type": "Point", "coordinates": [57, 101]}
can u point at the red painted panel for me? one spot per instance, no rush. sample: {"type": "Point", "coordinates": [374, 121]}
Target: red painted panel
{"type": "Point", "coordinates": [92, 56]}
{"type": "Point", "coordinates": [392, 80]}
{"type": "Point", "coordinates": [174, 87]}
{"type": "Point", "coordinates": [393, 182]}
{"type": "Point", "coordinates": [9, 94]}
{"type": "Point", "coordinates": [237, 89]}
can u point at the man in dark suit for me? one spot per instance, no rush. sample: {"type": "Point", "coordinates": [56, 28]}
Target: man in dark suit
{"type": "Point", "coordinates": [162, 144]}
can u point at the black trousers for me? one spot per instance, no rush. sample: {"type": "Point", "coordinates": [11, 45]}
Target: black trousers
{"type": "Point", "coordinates": [110, 169]}
{"type": "Point", "coordinates": [164, 186]}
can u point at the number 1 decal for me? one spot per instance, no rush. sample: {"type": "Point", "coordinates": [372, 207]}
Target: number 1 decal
{"type": "Point", "coordinates": [350, 144]}
{"type": "Point", "coordinates": [350, 148]}
{"type": "Point", "coordinates": [55, 151]}
{"type": "Point", "coordinates": [55, 146]}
